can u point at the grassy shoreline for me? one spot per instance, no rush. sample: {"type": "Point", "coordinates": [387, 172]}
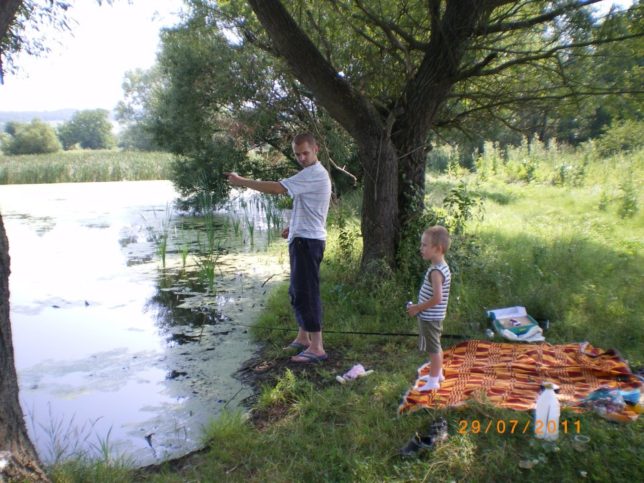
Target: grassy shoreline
{"type": "Point", "coordinates": [562, 251]}
{"type": "Point", "coordinates": [554, 249]}
{"type": "Point", "coordinates": [85, 166]}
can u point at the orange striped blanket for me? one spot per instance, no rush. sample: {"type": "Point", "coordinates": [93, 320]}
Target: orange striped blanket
{"type": "Point", "coordinates": [509, 375]}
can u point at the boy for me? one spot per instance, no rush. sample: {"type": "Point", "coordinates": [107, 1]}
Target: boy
{"type": "Point", "coordinates": [432, 303]}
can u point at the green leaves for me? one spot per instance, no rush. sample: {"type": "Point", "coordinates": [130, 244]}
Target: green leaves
{"type": "Point", "coordinates": [89, 129]}
{"type": "Point", "coordinates": [36, 137]}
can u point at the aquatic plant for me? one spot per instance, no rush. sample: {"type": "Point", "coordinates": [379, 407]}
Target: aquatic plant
{"type": "Point", "coordinates": [184, 252]}
{"type": "Point", "coordinates": [236, 223]}
{"type": "Point", "coordinates": [250, 224]}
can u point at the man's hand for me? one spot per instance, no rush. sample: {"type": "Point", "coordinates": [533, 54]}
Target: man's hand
{"type": "Point", "coordinates": [285, 232]}
{"type": "Point", "coordinates": [234, 179]}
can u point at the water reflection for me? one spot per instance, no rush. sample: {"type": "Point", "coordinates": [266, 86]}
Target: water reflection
{"type": "Point", "coordinates": [108, 340]}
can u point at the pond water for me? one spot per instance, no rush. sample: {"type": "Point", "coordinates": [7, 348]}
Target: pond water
{"type": "Point", "coordinates": [129, 320]}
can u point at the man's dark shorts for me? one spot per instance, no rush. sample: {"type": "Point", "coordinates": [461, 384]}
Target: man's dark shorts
{"type": "Point", "coordinates": [305, 255]}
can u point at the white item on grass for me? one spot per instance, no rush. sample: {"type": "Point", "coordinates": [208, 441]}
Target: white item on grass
{"type": "Point", "coordinates": [546, 413]}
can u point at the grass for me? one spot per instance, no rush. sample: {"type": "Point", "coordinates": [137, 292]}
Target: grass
{"type": "Point", "coordinates": [563, 251]}
{"type": "Point", "coordinates": [84, 166]}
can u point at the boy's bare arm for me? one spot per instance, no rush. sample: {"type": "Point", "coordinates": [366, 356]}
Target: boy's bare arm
{"type": "Point", "coordinates": [271, 187]}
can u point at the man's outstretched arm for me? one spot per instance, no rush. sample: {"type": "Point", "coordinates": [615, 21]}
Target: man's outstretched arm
{"type": "Point", "coordinates": [271, 187]}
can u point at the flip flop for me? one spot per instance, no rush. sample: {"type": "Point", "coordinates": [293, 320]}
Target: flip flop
{"type": "Point", "coordinates": [297, 346]}
{"type": "Point", "coordinates": [310, 357]}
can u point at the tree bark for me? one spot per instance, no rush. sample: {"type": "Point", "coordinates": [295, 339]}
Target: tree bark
{"type": "Point", "coordinates": [380, 224]}
{"type": "Point", "coordinates": [18, 458]}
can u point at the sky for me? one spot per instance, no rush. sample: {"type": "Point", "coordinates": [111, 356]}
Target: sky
{"type": "Point", "coordinates": [85, 67]}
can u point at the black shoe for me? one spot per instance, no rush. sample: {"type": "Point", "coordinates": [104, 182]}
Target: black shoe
{"type": "Point", "coordinates": [436, 434]}
{"type": "Point", "coordinates": [415, 444]}
{"type": "Point", "coordinates": [438, 430]}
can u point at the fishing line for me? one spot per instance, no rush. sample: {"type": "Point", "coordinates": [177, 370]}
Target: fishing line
{"type": "Point", "coordinates": [354, 332]}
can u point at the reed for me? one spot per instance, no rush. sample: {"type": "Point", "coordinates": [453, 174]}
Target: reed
{"type": "Point", "coordinates": [85, 166]}
{"type": "Point", "coordinates": [250, 225]}
{"type": "Point", "coordinates": [184, 252]}
{"type": "Point", "coordinates": [159, 232]}
{"type": "Point", "coordinates": [236, 224]}
{"type": "Point", "coordinates": [207, 266]}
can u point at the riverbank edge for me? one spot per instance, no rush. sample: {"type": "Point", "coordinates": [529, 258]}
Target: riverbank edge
{"type": "Point", "coordinates": [254, 372]}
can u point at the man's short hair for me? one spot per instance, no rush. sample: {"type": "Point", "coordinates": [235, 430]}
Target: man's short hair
{"type": "Point", "coordinates": [305, 137]}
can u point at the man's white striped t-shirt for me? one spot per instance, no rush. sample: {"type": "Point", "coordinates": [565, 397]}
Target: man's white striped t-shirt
{"type": "Point", "coordinates": [311, 193]}
{"type": "Point", "coordinates": [438, 311]}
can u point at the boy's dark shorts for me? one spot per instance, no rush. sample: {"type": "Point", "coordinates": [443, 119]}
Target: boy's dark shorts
{"type": "Point", "coordinates": [305, 255]}
{"type": "Point", "coordinates": [430, 335]}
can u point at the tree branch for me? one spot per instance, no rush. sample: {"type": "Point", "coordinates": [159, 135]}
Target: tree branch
{"type": "Point", "coordinates": [522, 24]}
{"type": "Point", "coordinates": [539, 56]}
{"type": "Point", "coordinates": [8, 11]}
{"type": "Point", "coordinates": [518, 100]}
{"type": "Point", "coordinates": [345, 104]}
{"type": "Point", "coordinates": [476, 69]}
{"type": "Point", "coordinates": [589, 43]}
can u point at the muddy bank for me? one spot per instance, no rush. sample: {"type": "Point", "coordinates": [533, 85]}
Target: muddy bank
{"type": "Point", "coordinates": [257, 371]}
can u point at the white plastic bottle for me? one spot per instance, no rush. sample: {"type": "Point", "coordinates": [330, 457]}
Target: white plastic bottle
{"type": "Point", "coordinates": [546, 413]}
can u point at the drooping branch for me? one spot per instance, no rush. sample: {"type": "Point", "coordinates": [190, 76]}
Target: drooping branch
{"type": "Point", "coordinates": [343, 102]}
{"type": "Point", "coordinates": [495, 103]}
{"type": "Point", "coordinates": [314, 122]}
{"type": "Point", "coordinates": [8, 11]}
{"type": "Point", "coordinates": [390, 29]}
{"type": "Point", "coordinates": [531, 22]}
{"type": "Point", "coordinates": [526, 59]}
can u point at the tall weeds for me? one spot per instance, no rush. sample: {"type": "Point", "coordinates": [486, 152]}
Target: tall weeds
{"type": "Point", "coordinates": [84, 166]}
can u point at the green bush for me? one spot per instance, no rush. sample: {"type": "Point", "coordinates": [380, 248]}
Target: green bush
{"type": "Point", "coordinates": [88, 129]}
{"type": "Point", "coordinates": [36, 137]}
{"type": "Point", "coordinates": [628, 206]}
{"type": "Point", "coordinates": [624, 136]}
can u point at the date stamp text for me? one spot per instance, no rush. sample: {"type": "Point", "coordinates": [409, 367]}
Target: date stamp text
{"type": "Point", "coordinates": [514, 426]}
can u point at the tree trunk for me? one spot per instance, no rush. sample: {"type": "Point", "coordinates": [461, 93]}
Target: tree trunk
{"type": "Point", "coordinates": [380, 225]}
{"type": "Point", "coordinates": [18, 458]}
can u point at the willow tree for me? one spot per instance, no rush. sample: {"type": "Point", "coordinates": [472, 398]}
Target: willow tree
{"type": "Point", "coordinates": [392, 72]}
{"type": "Point", "coordinates": [18, 458]}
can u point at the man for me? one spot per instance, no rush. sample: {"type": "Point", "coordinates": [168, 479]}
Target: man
{"type": "Point", "coordinates": [306, 234]}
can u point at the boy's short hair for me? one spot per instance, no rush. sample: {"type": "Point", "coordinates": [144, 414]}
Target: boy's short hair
{"type": "Point", "coordinates": [438, 236]}
{"type": "Point", "coordinates": [305, 137]}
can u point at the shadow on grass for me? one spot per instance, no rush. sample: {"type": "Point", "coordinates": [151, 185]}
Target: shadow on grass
{"type": "Point", "coordinates": [325, 431]}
